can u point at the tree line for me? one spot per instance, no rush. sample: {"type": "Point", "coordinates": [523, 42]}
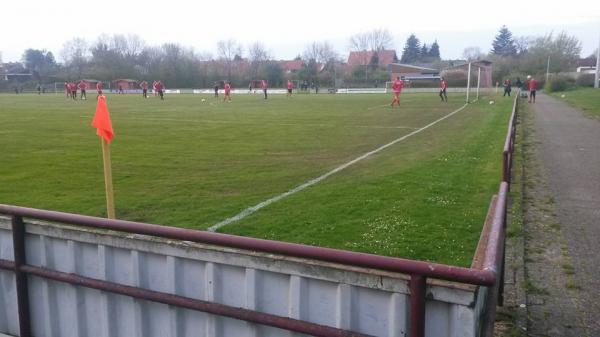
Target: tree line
{"type": "Point", "coordinates": [128, 56]}
{"type": "Point", "coordinates": [514, 57]}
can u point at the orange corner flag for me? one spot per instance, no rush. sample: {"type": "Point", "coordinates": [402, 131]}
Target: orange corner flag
{"type": "Point", "coordinates": [102, 121]}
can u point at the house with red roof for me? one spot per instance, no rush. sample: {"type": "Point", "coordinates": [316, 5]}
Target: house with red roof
{"type": "Point", "coordinates": [90, 83]}
{"type": "Point", "coordinates": [412, 73]}
{"type": "Point", "coordinates": [125, 84]}
{"type": "Point", "coordinates": [292, 66]}
{"type": "Point", "coordinates": [361, 58]}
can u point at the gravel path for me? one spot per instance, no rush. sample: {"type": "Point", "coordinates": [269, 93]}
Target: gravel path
{"type": "Point", "coordinates": [569, 156]}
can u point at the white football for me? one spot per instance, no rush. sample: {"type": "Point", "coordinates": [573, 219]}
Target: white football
{"type": "Point", "coordinates": [204, 100]}
{"type": "Point", "coordinates": [562, 96]}
{"type": "Point", "coordinates": [491, 102]}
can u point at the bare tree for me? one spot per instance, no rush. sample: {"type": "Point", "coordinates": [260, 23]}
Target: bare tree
{"type": "Point", "coordinates": [311, 52]}
{"type": "Point", "coordinates": [380, 39]}
{"type": "Point", "coordinates": [523, 43]}
{"type": "Point", "coordinates": [321, 52]}
{"type": "Point", "coordinates": [205, 56]}
{"type": "Point", "coordinates": [359, 42]}
{"type": "Point", "coordinates": [128, 47]}
{"type": "Point", "coordinates": [564, 52]}
{"type": "Point", "coordinates": [257, 52]}
{"type": "Point", "coordinates": [258, 55]}
{"type": "Point", "coordinates": [228, 50]}
{"type": "Point", "coordinates": [375, 40]}
{"type": "Point", "coordinates": [75, 54]}
{"type": "Point", "coordinates": [118, 43]}
{"type": "Point", "coordinates": [134, 46]}
{"type": "Point", "coordinates": [149, 61]}
{"type": "Point", "coordinates": [472, 53]}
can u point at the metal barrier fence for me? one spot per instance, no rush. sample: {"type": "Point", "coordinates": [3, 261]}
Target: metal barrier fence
{"type": "Point", "coordinates": [487, 268]}
{"type": "Point", "coordinates": [509, 143]}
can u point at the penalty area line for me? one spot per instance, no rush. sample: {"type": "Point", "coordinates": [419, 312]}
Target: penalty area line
{"type": "Point", "coordinates": [309, 183]}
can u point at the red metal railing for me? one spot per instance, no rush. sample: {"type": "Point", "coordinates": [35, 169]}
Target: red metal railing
{"type": "Point", "coordinates": [485, 274]}
{"type": "Point", "coordinates": [497, 231]}
{"type": "Point", "coordinates": [509, 143]}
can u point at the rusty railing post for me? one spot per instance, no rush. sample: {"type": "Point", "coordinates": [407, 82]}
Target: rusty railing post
{"type": "Point", "coordinates": [501, 282]}
{"type": "Point", "coordinates": [18, 232]}
{"type": "Point", "coordinates": [417, 305]}
{"type": "Point", "coordinates": [505, 166]}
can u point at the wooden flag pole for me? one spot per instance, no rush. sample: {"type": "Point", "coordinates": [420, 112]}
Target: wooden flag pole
{"type": "Point", "coordinates": [110, 201]}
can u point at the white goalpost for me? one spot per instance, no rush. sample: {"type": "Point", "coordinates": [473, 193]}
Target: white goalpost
{"type": "Point", "coordinates": [468, 81]}
{"type": "Point", "coordinates": [388, 87]}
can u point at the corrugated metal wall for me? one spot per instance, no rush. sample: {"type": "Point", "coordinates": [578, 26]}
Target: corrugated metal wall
{"type": "Point", "coordinates": [366, 301]}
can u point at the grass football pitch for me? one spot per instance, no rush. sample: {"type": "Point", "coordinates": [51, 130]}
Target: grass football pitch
{"type": "Point", "coordinates": [187, 163]}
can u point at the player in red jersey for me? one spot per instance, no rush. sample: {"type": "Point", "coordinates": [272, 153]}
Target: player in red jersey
{"type": "Point", "coordinates": [99, 89]}
{"type": "Point", "coordinates": [82, 87]}
{"type": "Point", "coordinates": [290, 86]}
{"type": "Point", "coordinates": [532, 89]}
{"type": "Point", "coordinates": [159, 88]}
{"type": "Point", "coordinates": [443, 87]}
{"type": "Point", "coordinates": [227, 88]}
{"type": "Point", "coordinates": [397, 86]}
{"type": "Point", "coordinates": [73, 90]}
{"type": "Point", "coordinates": [144, 86]}
{"type": "Point", "coordinates": [264, 85]}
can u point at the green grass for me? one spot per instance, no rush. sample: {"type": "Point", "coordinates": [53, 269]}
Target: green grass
{"type": "Point", "coordinates": [191, 164]}
{"type": "Point", "coordinates": [586, 99]}
{"type": "Point", "coordinates": [532, 288]}
{"type": "Point", "coordinates": [572, 285]}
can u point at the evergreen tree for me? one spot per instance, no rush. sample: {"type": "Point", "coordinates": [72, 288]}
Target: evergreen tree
{"type": "Point", "coordinates": [412, 49]}
{"type": "Point", "coordinates": [39, 62]}
{"type": "Point", "coordinates": [434, 51]}
{"type": "Point", "coordinates": [424, 53]}
{"type": "Point", "coordinates": [503, 44]}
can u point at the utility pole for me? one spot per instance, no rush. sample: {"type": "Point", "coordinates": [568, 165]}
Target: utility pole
{"type": "Point", "coordinates": [478, 80]}
{"type": "Point", "coordinates": [597, 77]}
{"type": "Point", "coordinates": [548, 69]}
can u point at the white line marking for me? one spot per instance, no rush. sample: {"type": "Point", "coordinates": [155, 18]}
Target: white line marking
{"type": "Point", "coordinates": [265, 203]}
{"type": "Point", "coordinates": [379, 106]}
{"type": "Point", "coordinates": [208, 121]}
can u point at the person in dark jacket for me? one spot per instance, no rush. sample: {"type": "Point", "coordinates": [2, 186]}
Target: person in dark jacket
{"type": "Point", "coordinates": [507, 87]}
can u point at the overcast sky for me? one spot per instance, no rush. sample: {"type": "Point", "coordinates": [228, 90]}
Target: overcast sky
{"type": "Point", "coordinates": [287, 27]}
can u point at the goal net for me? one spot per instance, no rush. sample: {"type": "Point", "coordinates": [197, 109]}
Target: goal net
{"type": "Point", "coordinates": [467, 80]}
